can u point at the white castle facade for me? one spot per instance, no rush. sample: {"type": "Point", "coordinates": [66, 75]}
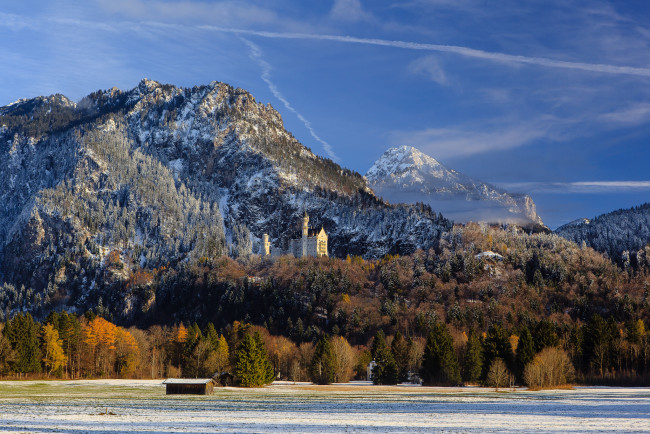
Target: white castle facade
{"type": "Point", "coordinates": [312, 243]}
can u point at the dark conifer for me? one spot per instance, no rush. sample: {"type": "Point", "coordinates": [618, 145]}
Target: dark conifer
{"type": "Point", "coordinates": [22, 333]}
{"type": "Point", "coordinates": [496, 345]}
{"type": "Point", "coordinates": [473, 361]}
{"type": "Point", "coordinates": [545, 335]}
{"type": "Point", "coordinates": [525, 352]}
{"type": "Point", "coordinates": [401, 349]}
{"type": "Point", "coordinates": [322, 368]}
{"type": "Point", "coordinates": [385, 370]}
{"type": "Point", "coordinates": [439, 362]}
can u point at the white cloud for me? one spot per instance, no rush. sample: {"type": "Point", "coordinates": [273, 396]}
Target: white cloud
{"type": "Point", "coordinates": [232, 13]}
{"type": "Point", "coordinates": [585, 187]}
{"type": "Point", "coordinates": [219, 12]}
{"type": "Point", "coordinates": [633, 115]}
{"type": "Point", "coordinates": [429, 66]}
{"type": "Point", "coordinates": [462, 141]}
{"type": "Point", "coordinates": [349, 10]}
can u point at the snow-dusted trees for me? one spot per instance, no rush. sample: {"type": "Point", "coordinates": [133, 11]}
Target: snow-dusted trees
{"type": "Point", "coordinates": [623, 234]}
{"type": "Point", "coordinates": [242, 243]}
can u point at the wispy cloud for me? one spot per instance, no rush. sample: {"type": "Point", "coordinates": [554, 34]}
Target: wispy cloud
{"type": "Point", "coordinates": [584, 187]}
{"type": "Point", "coordinates": [15, 21]}
{"type": "Point", "coordinates": [256, 54]}
{"type": "Point", "coordinates": [220, 12]}
{"type": "Point", "coordinates": [430, 67]}
{"type": "Point", "coordinates": [349, 10]}
{"type": "Point", "coordinates": [462, 141]}
{"type": "Point", "coordinates": [633, 115]}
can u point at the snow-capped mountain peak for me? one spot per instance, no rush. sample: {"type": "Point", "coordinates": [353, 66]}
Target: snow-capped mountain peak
{"type": "Point", "coordinates": [407, 175]}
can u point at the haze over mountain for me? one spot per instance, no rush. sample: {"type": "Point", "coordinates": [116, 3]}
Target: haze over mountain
{"type": "Point", "coordinates": [159, 174]}
{"type": "Point", "coordinates": [407, 175]}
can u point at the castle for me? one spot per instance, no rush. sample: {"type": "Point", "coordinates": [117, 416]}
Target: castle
{"type": "Point", "coordinates": [310, 244]}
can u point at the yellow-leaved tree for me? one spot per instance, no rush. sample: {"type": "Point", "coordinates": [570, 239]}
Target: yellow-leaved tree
{"type": "Point", "coordinates": [127, 352]}
{"type": "Point", "coordinates": [54, 358]}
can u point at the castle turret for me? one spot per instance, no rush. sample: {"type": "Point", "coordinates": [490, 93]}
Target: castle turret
{"type": "Point", "coordinates": [266, 245]}
{"type": "Point", "coordinates": [305, 225]}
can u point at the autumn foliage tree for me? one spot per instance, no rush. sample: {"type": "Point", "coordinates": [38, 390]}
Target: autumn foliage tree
{"type": "Point", "coordinates": [53, 356]}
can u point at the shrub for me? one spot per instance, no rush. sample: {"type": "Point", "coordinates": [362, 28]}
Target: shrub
{"type": "Point", "coordinates": [551, 367]}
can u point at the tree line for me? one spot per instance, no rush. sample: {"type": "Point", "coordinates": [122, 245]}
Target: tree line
{"type": "Point", "coordinates": [68, 346]}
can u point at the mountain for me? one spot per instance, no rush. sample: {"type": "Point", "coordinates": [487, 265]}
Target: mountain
{"type": "Point", "coordinates": [406, 175]}
{"type": "Point", "coordinates": [126, 182]}
{"type": "Point", "coordinates": [623, 234]}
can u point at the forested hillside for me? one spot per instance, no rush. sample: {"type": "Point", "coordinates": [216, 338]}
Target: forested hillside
{"type": "Point", "coordinates": [623, 234]}
{"type": "Point", "coordinates": [485, 296]}
{"type": "Point", "coordinates": [126, 182]}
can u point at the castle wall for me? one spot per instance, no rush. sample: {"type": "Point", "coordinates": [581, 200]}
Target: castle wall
{"type": "Point", "coordinates": [300, 247]}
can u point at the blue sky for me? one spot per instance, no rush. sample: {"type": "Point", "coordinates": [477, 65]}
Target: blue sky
{"type": "Point", "coordinates": [549, 98]}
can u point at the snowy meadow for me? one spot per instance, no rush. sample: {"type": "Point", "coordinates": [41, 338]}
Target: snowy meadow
{"type": "Point", "coordinates": [142, 406]}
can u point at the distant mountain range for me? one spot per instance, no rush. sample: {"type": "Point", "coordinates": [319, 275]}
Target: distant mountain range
{"type": "Point", "coordinates": [623, 234]}
{"type": "Point", "coordinates": [406, 175]}
{"type": "Point", "coordinates": [158, 175]}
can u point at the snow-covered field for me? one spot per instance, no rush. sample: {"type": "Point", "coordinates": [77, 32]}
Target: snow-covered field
{"type": "Point", "coordinates": [142, 406]}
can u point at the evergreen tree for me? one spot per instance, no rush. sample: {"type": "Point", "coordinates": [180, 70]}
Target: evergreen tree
{"type": "Point", "coordinates": [525, 352]}
{"type": "Point", "coordinates": [252, 365]}
{"type": "Point", "coordinates": [496, 345]}
{"type": "Point", "coordinates": [439, 362]}
{"type": "Point", "coordinates": [22, 333]}
{"type": "Point", "coordinates": [322, 368]}
{"type": "Point", "coordinates": [545, 335]}
{"type": "Point", "coordinates": [69, 329]}
{"type": "Point", "coordinates": [190, 358]}
{"type": "Point", "coordinates": [267, 366]}
{"type": "Point", "coordinates": [401, 349]}
{"type": "Point", "coordinates": [212, 336]}
{"type": "Point", "coordinates": [473, 361]}
{"type": "Point", "coordinates": [385, 370]}
{"type": "Point", "coordinates": [596, 345]}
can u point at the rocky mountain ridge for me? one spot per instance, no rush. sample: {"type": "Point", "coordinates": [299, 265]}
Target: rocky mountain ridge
{"type": "Point", "coordinates": [154, 176]}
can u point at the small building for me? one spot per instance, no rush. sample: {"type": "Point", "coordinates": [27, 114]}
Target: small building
{"type": "Point", "coordinates": [489, 255]}
{"type": "Point", "coordinates": [371, 367]}
{"type": "Point", "coordinates": [189, 386]}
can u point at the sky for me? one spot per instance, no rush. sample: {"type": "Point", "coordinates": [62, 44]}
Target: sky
{"type": "Point", "coordinates": [544, 97]}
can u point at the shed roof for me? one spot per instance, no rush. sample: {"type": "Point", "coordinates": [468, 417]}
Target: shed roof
{"type": "Point", "coordinates": [187, 381]}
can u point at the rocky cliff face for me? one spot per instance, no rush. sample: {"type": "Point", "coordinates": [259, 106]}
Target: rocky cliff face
{"type": "Point", "coordinates": [150, 177]}
{"type": "Point", "coordinates": [406, 175]}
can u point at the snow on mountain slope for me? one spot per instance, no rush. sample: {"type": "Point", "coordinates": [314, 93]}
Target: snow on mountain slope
{"type": "Point", "coordinates": [406, 175]}
{"type": "Point", "coordinates": [159, 175]}
{"type": "Point", "coordinates": [623, 234]}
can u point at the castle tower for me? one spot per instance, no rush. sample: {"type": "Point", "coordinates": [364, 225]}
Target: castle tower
{"type": "Point", "coordinates": [305, 234]}
{"type": "Point", "coordinates": [305, 225]}
{"type": "Point", "coordinates": [266, 245]}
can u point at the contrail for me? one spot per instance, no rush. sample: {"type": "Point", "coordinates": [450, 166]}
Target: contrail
{"type": "Point", "coordinates": [463, 51]}
{"type": "Point", "coordinates": [256, 54]}
{"type": "Point", "coordinates": [17, 22]}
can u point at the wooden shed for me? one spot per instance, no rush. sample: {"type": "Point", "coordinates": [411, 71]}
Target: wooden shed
{"type": "Point", "coordinates": [189, 386]}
